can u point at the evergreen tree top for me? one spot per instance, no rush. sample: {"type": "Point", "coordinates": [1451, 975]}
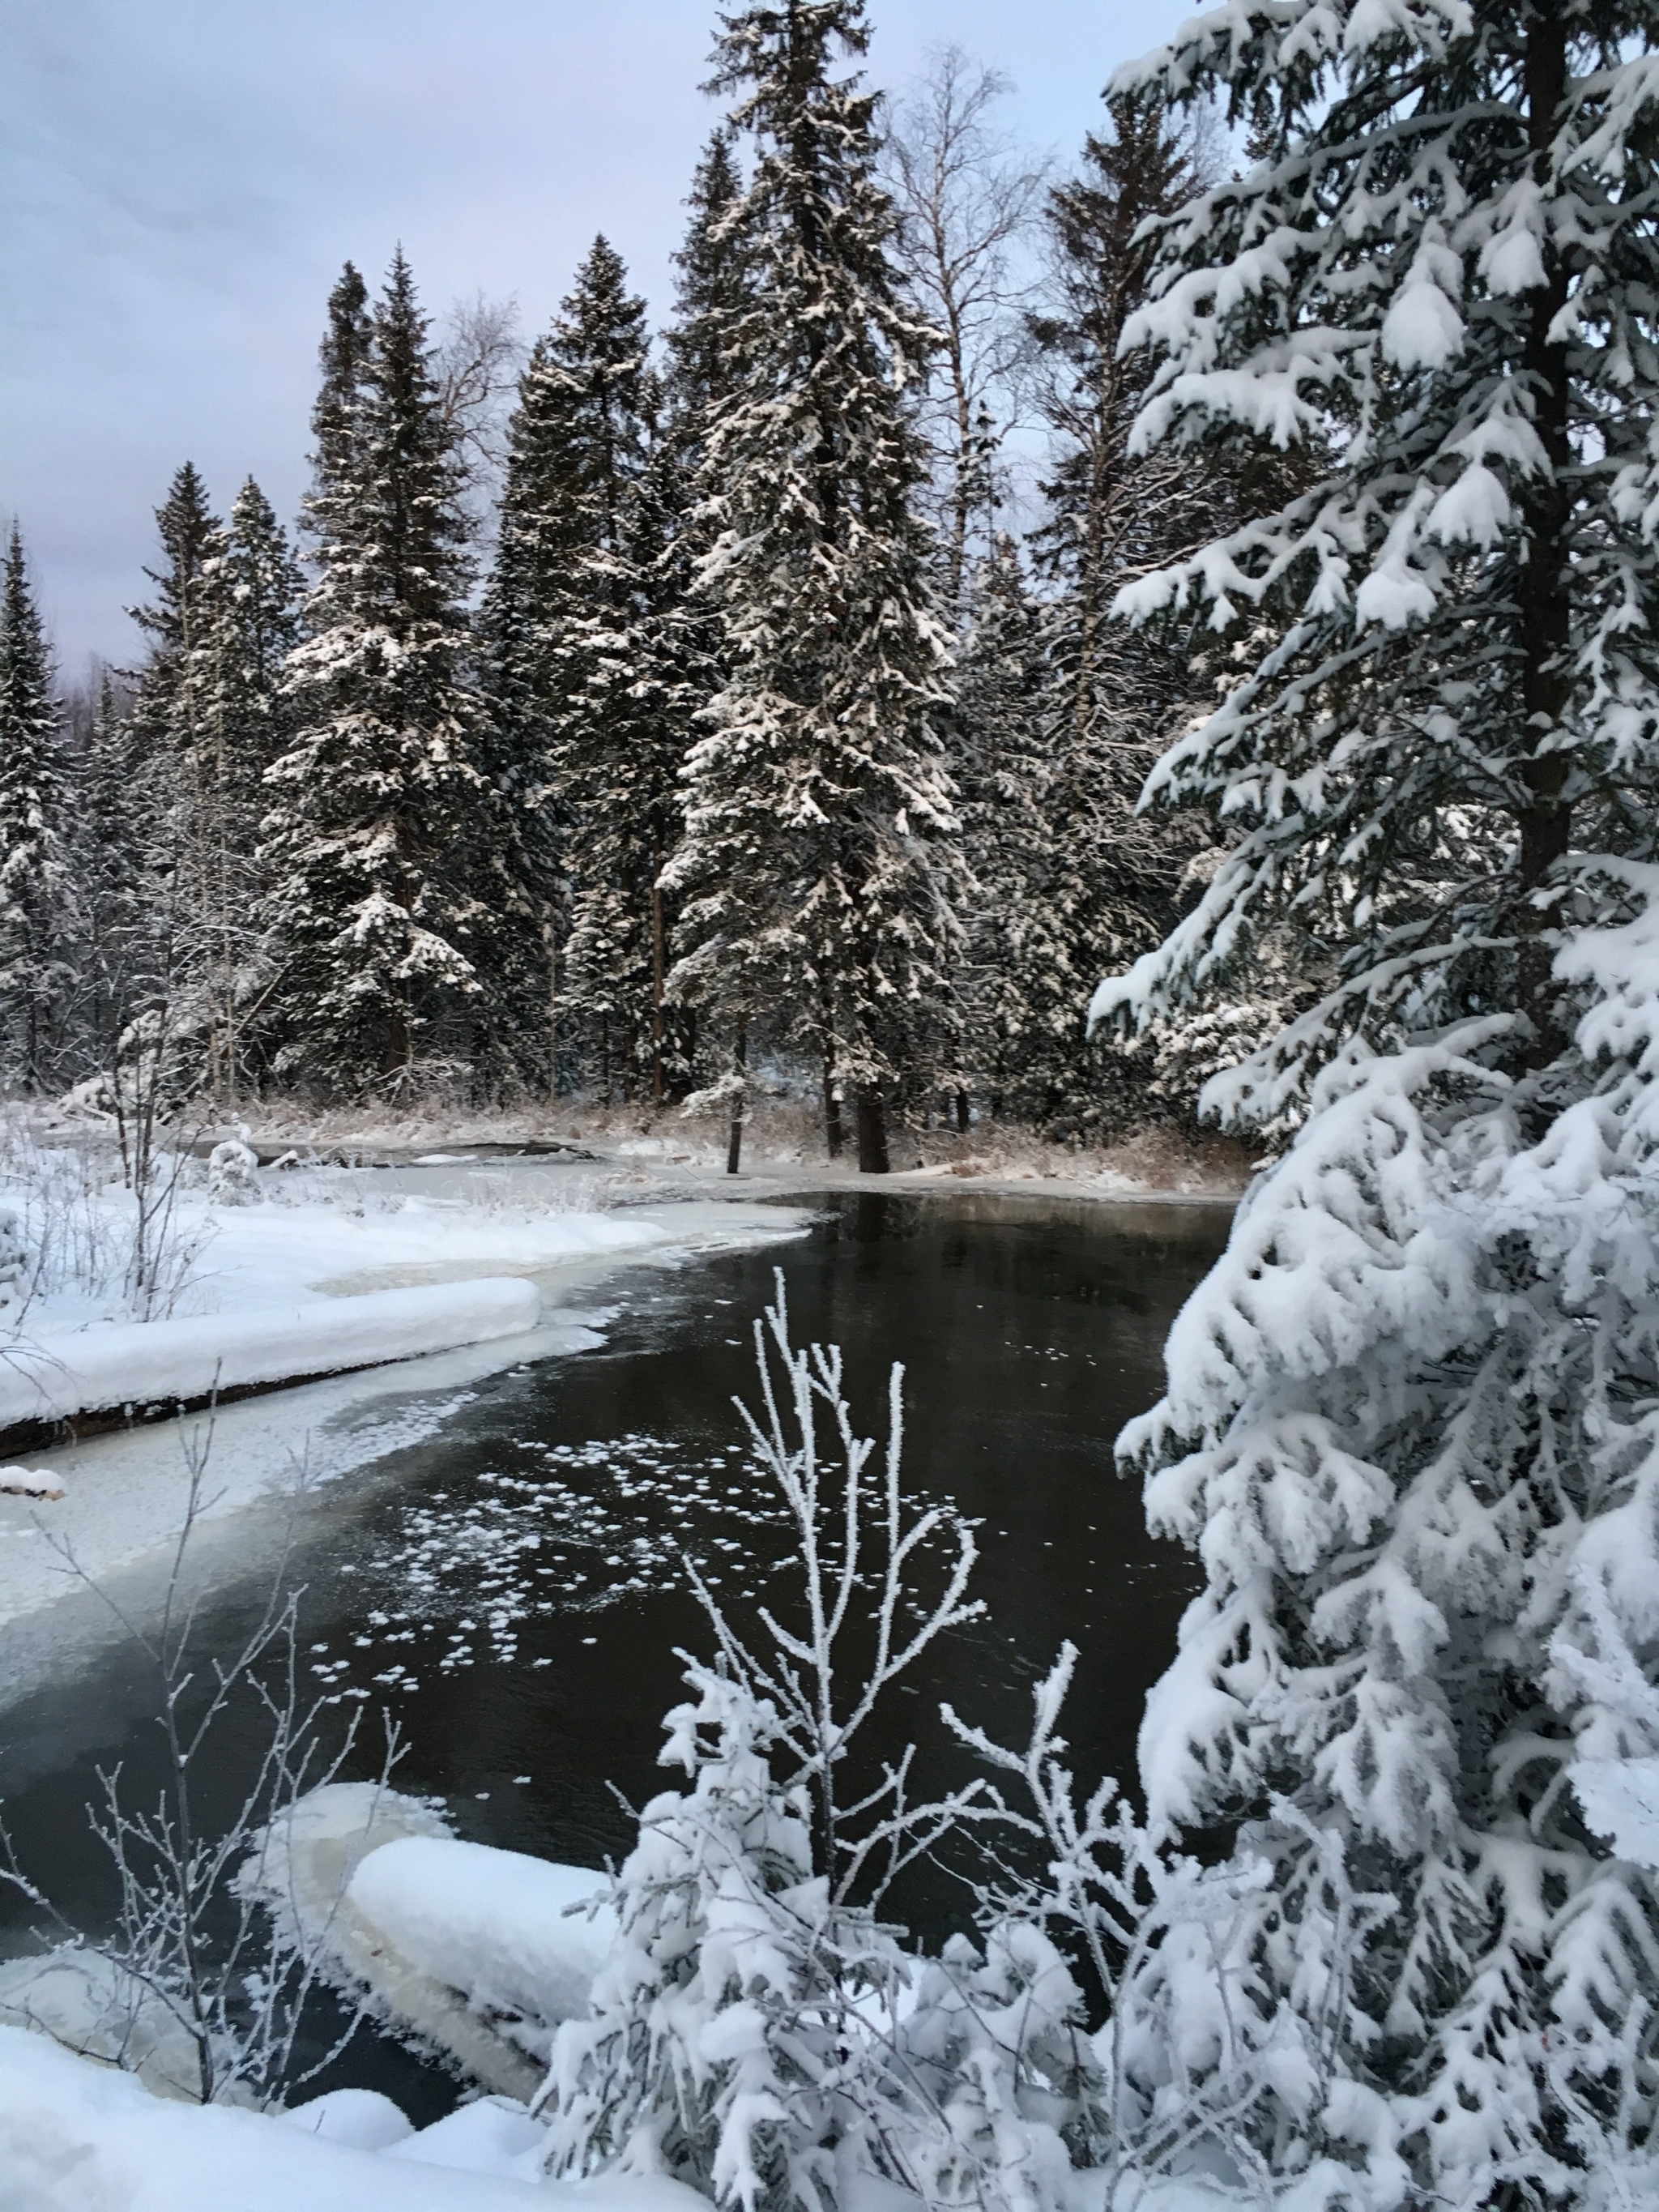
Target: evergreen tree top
{"type": "Point", "coordinates": [712, 267]}
{"type": "Point", "coordinates": [784, 53]}
{"type": "Point", "coordinates": [818, 219]}
{"type": "Point", "coordinates": [382, 509]}
{"type": "Point", "coordinates": [344, 349]}
{"type": "Point", "coordinates": [186, 524]}
{"type": "Point", "coordinates": [1139, 171]}
{"type": "Point", "coordinates": [25, 658]}
{"type": "Point", "coordinates": [600, 347]}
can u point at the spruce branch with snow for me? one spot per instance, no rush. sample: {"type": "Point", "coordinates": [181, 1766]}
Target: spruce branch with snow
{"type": "Point", "coordinates": [1407, 1423]}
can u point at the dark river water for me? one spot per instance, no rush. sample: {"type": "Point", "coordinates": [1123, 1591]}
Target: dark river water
{"type": "Point", "coordinates": [511, 1590]}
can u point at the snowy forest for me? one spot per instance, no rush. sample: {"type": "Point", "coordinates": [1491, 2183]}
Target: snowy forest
{"type": "Point", "coordinates": [689, 699]}
{"type": "Point", "coordinates": [1175, 641]}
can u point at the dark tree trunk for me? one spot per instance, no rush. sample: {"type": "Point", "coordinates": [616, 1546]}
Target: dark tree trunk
{"type": "Point", "coordinates": [964, 1115]}
{"type": "Point", "coordinates": [1546, 817]}
{"type": "Point", "coordinates": [659, 975]}
{"type": "Point", "coordinates": [872, 1131]}
{"type": "Point", "coordinates": [734, 1141]}
{"type": "Point", "coordinates": [833, 1133]}
{"type": "Point", "coordinates": [398, 1050]}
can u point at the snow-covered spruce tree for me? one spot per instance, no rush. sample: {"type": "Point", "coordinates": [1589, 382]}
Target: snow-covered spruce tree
{"type": "Point", "coordinates": [231, 724]}
{"type": "Point", "coordinates": [251, 624]}
{"type": "Point", "coordinates": [381, 847]}
{"type": "Point", "coordinates": [110, 868]}
{"type": "Point", "coordinates": [620, 741]}
{"type": "Point", "coordinates": [820, 870]}
{"type": "Point", "coordinates": [1001, 768]}
{"type": "Point", "coordinates": [713, 289]}
{"type": "Point", "coordinates": [559, 624]}
{"type": "Point", "coordinates": [34, 970]}
{"type": "Point", "coordinates": [1409, 1420]}
{"type": "Point", "coordinates": [536, 548]}
{"type": "Point", "coordinates": [681, 662]}
{"type": "Point", "coordinates": [186, 524]}
{"type": "Point", "coordinates": [1108, 888]}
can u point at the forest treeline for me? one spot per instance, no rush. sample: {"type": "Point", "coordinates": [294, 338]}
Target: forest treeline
{"type": "Point", "coordinates": [722, 719]}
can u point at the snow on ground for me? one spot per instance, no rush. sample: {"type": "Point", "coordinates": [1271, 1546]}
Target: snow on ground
{"type": "Point", "coordinates": [77, 2136]}
{"type": "Point", "coordinates": [784, 1149]}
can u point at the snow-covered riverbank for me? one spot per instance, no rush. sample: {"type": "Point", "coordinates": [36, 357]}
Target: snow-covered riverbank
{"type": "Point", "coordinates": [301, 1289]}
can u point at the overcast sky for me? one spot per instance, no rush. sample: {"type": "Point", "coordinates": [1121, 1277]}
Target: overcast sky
{"type": "Point", "coordinates": [180, 180]}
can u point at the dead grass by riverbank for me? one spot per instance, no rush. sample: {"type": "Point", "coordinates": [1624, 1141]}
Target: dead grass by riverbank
{"type": "Point", "coordinates": [784, 1141]}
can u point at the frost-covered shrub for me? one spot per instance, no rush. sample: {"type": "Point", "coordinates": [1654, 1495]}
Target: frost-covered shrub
{"type": "Point", "coordinates": [759, 2031]}
{"type": "Point", "coordinates": [232, 1174]}
{"type": "Point", "coordinates": [14, 1258]}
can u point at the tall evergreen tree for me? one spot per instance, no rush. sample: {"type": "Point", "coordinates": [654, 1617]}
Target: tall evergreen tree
{"type": "Point", "coordinates": [173, 624]}
{"type": "Point", "coordinates": [560, 623]}
{"type": "Point", "coordinates": [537, 546]}
{"type": "Point", "coordinates": [255, 585]}
{"type": "Point", "coordinates": [234, 729]}
{"type": "Point", "coordinates": [650, 658]}
{"type": "Point", "coordinates": [712, 290]}
{"type": "Point", "coordinates": [112, 875]}
{"type": "Point", "coordinates": [1409, 1416]}
{"type": "Point", "coordinates": [674, 651]}
{"type": "Point", "coordinates": [1017, 973]}
{"type": "Point", "coordinates": [610, 733]}
{"type": "Point", "coordinates": [379, 841]}
{"type": "Point", "coordinates": [820, 868]}
{"type": "Point", "coordinates": [1108, 886]}
{"type": "Point", "coordinates": [35, 973]}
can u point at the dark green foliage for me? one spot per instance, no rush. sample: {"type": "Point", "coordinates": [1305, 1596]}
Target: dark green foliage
{"type": "Point", "coordinates": [34, 970]}
{"type": "Point", "coordinates": [385, 860]}
{"type": "Point", "coordinates": [820, 870]}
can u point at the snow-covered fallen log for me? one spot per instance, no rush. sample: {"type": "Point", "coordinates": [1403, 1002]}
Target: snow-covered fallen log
{"type": "Point", "coordinates": [505, 1931]}
{"type": "Point", "coordinates": [166, 1362]}
{"type": "Point", "coordinates": [467, 1949]}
